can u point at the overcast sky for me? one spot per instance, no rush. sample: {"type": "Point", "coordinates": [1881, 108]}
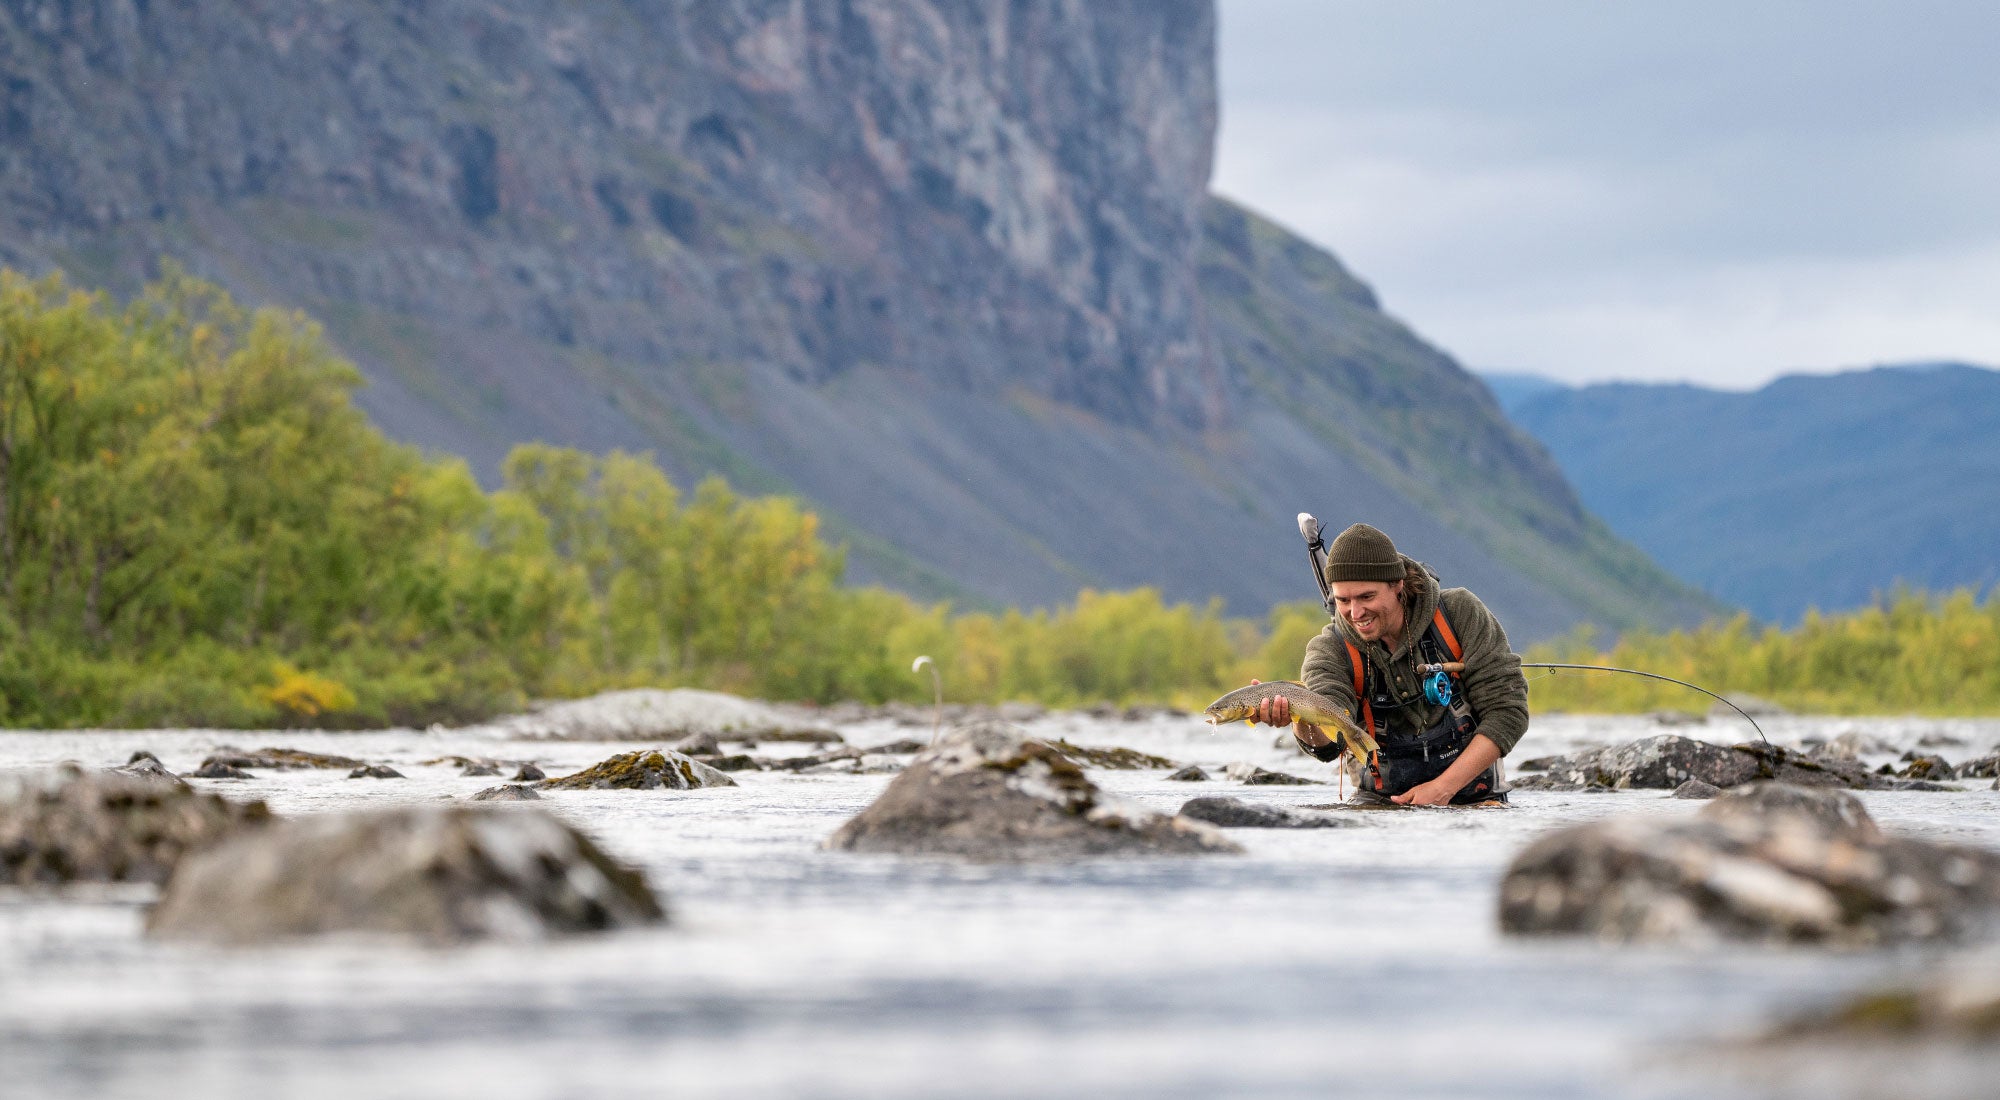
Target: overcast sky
{"type": "Point", "coordinates": [1701, 190]}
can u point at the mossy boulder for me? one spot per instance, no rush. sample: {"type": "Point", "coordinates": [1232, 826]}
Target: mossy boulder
{"type": "Point", "coordinates": [989, 791]}
{"type": "Point", "coordinates": [645, 770]}
{"type": "Point", "coordinates": [436, 875]}
{"type": "Point", "coordinates": [110, 826]}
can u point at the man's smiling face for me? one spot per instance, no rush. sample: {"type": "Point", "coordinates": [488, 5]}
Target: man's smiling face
{"type": "Point", "coordinates": [1373, 608]}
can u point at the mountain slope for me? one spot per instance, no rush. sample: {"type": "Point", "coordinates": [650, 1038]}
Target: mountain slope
{"type": "Point", "coordinates": [948, 271]}
{"type": "Point", "coordinates": [1815, 491]}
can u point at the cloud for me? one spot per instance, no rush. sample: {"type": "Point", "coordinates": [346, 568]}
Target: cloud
{"type": "Point", "coordinates": [1700, 190]}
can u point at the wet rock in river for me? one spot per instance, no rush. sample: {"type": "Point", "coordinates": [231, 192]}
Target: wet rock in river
{"type": "Point", "coordinates": [374, 771]}
{"type": "Point", "coordinates": [1920, 766]}
{"type": "Point", "coordinates": [1774, 864]}
{"type": "Point", "coordinates": [700, 744]}
{"type": "Point", "coordinates": [1983, 767]}
{"type": "Point", "coordinates": [146, 767]}
{"type": "Point", "coordinates": [279, 759]}
{"type": "Point", "coordinates": [1251, 775]}
{"type": "Point", "coordinates": [101, 826]}
{"type": "Point", "coordinates": [904, 747]}
{"type": "Point", "coordinates": [1190, 774]}
{"type": "Point", "coordinates": [1853, 745]}
{"type": "Point", "coordinates": [1666, 761]}
{"type": "Point", "coordinates": [507, 792]}
{"type": "Point", "coordinates": [216, 769]}
{"type": "Point", "coordinates": [1237, 813]}
{"type": "Point", "coordinates": [528, 773]}
{"type": "Point", "coordinates": [432, 874]}
{"type": "Point", "coordinates": [1697, 788]}
{"type": "Point", "coordinates": [989, 791]}
{"type": "Point", "coordinates": [1117, 759]}
{"type": "Point", "coordinates": [1662, 762]}
{"type": "Point", "coordinates": [734, 762]}
{"type": "Point", "coordinates": [643, 771]}
{"type": "Point", "coordinates": [479, 769]}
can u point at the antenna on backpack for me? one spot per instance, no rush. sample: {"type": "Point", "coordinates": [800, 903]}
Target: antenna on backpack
{"type": "Point", "coordinates": [1316, 550]}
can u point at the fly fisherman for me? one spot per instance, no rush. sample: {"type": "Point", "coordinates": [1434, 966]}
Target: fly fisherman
{"type": "Point", "coordinates": [1439, 742]}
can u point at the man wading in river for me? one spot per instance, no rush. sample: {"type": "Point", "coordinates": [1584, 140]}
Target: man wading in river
{"type": "Point", "coordinates": [1437, 745]}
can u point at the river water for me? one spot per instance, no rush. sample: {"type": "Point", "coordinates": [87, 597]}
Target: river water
{"type": "Point", "coordinates": [1337, 962]}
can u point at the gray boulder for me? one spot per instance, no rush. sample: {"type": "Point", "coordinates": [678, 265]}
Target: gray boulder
{"type": "Point", "coordinates": [1236, 813]}
{"type": "Point", "coordinates": [433, 874]}
{"type": "Point", "coordinates": [507, 792]}
{"type": "Point", "coordinates": [646, 770]}
{"type": "Point", "coordinates": [1666, 761]}
{"type": "Point", "coordinates": [1190, 774]}
{"type": "Point", "coordinates": [109, 826]}
{"type": "Point", "coordinates": [375, 771]}
{"type": "Point", "coordinates": [988, 791]}
{"type": "Point", "coordinates": [1661, 762]}
{"type": "Point", "coordinates": [1773, 864]}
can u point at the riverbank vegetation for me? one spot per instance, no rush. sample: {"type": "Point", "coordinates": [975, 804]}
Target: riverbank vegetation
{"type": "Point", "coordinates": [198, 528]}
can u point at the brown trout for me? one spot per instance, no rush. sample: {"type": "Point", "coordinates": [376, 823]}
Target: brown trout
{"type": "Point", "coordinates": [1309, 708]}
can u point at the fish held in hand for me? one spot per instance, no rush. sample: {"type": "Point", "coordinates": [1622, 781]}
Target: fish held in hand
{"type": "Point", "coordinates": [1309, 708]}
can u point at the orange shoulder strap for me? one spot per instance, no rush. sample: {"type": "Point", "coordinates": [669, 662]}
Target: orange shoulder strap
{"type": "Point", "coordinates": [1361, 688]}
{"type": "Point", "coordinates": [1444, 631]}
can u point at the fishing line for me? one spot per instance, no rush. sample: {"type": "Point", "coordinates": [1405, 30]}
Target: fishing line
{"type": "Point", "coordinates": [1553, 666]}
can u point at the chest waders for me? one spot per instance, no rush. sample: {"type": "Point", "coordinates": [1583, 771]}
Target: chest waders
{"type": "Point", "coordinates": [1407, 759]}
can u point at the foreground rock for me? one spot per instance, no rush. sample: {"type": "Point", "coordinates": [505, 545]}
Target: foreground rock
{"type": "Point", "coordinates": [989, 791]}
{"type": "Point", "coordinates": [642, 771]}
{"type": "Point", "coordinates": [82, 826]}
{"type": "Point", "coordinates": [666, 717]}
{"type": "Point", "coordinates": [1770, 862]}
{"type": "Point", "coordinates": [1235, 813]}
{"type": "Point", "coordinates": [436, 875]}
{"type": "Point", "coordinates": [1959, 1001]}
{"type": "Point", "coordinates": [1667, 761]}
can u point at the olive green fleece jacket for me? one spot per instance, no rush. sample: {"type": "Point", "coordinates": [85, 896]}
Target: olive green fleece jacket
{"type": "Point", "coordinates": [1492, 678]}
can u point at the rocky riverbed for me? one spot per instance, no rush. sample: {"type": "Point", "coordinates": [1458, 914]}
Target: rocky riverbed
{"type": "Point", "coordinates": [1363, 960]}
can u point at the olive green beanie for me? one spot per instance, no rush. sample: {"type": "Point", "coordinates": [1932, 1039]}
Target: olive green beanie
{"type": "Point", "coordinates": [1362, 553]}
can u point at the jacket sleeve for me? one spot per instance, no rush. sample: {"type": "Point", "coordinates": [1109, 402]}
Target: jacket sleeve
{"type": "Point", "coordinates": [1493, 681]}
{"type": "Point", "coordinates": [1327, 671]}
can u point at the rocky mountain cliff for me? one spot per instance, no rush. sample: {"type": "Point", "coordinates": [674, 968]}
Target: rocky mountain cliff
{"type": "Point", "coordinates": [949, 270]}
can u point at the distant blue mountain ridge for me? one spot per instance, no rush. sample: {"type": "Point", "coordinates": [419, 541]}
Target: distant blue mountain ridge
{"type": "Point", "coordinates": [1816, 491]}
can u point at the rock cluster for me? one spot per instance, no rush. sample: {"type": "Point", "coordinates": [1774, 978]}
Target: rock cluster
{"type": "Point", "coordinates": [645, 770]}
{"type": "Point", "coordinates": [110, 826]}
{"type": "Point", "coordinates": [431, 874]}
{"type": "Point", "coordinates": [988, 791]}
{"type": "Point", "coordinates": [1120, 759]}
{"type": "Point", "coordinates": [1765, 862]}
{"type": "Point", "coordinates": [279, 759]}
{"type": "Point", "coordinates": [1667, 761]}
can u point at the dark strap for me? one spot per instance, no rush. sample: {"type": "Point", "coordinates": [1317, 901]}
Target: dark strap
{"type": "Point", "coordinates": [1360, 668]}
